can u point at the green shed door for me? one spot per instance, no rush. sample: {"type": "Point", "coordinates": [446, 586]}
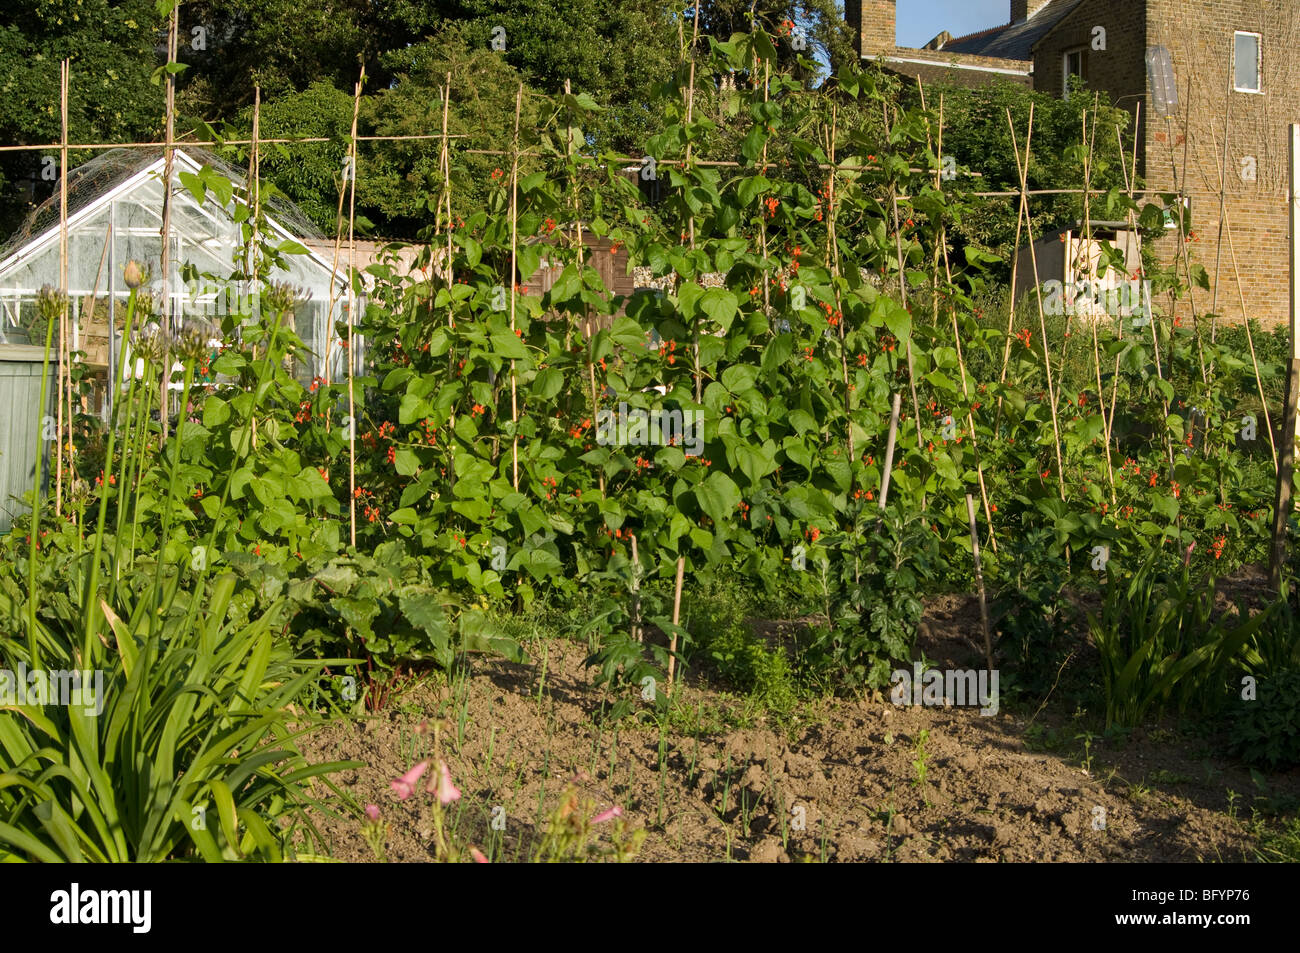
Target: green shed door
{"type": "Point", "coordinates": [20, 424]}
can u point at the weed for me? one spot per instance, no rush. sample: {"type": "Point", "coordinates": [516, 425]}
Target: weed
{"type": "Point", "coordinates": [1087, 737]}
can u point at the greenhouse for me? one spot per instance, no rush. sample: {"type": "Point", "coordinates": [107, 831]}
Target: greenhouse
{"type": "Point", "coordinates": [115, 215]}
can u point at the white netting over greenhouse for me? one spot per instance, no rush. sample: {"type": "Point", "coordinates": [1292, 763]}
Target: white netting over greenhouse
{"type": "Point", "coordinates": [115, 215]}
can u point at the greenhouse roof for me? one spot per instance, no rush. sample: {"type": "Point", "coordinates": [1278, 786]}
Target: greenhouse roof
{"type": "Point", "coordinates": [115, 215]}
{"type": "Point", "coordinates": [135, 176]}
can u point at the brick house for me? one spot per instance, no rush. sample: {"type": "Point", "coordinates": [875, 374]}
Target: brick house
{"type": "Point", "coordinates": [1198, 68]}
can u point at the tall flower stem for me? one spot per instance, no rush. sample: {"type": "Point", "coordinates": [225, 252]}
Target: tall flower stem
{"type": "Point", "coordinates": [90, 611]}
{"type": "Point", "coordinates": [33, 540]}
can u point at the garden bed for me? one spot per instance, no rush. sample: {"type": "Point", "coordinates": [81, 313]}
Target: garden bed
{"type": "Point", "coordinates": [727, 786]}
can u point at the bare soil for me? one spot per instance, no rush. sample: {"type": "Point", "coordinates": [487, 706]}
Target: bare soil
{"type": "Point", "coordinates": [840, 783]}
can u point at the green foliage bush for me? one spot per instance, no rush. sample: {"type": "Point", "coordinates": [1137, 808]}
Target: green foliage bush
{"type": "Point", "coordinates": [727, 645]}
{"type": "Point", "coordinates": [1161, 646]}
{"type": "Point", "coordinates": [1265, 730]}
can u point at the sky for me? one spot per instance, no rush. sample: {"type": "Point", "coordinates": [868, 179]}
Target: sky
{"type": "Point", "coordinates": [920, 20]}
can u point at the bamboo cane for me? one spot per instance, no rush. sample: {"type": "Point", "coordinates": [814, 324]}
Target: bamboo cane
{"type": "Point", "coordinates": [1245, 321]}
{"type": "Point", "coordinates": [699, 386]}
{"type": "Point", "coordinates": [1091, 141]}
{"type": "Point", "coordinates": [979, 583]}
{"type": "Point", "coordinates": [1021, 209]}
{"type": "Point", "coordinates": [902, 284]}
{"type": "Point", "coordinates": [252, 267]}
{"type": "Point", "coordinates": [352, 307]}
{"type": "Point", "coordinates": [514, 251]}
{"type": "Point", "coordinates": [164, 392]}
{"type": "Point", "coordinates": [956, 336]}
{"type": "Point", "coordinates": [449, 276]}
{"type": "Point", "coordinates": [63, 429]}
{"type": "Point", "coordinates": [1022, 169]}
{"type": "Point", "coordinates": [587, 326]}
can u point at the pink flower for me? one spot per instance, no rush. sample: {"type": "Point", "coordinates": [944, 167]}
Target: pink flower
{"type": "Point", "coordinates": [372, 811]}
{"type": "Point", "coordinates": [405, 785]}
{"type": "Point", "coordinates": [443, 788]}
{"type": "Point", "coordinates": [1187, 553]}
{"type": "Point", "coordinates": [477, 855]}
{"type": "Point", "coordinates": [603, 816]}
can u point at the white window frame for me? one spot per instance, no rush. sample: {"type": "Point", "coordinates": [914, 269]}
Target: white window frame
{"type": "Point", "coordinates": [1082, 52]}
{"type": "Point", "coordinates": [1259, 62]}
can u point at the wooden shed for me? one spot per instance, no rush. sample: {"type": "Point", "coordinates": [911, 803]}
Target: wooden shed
{"type": "Point", "coordinates": [1067, 256]}
{"type": "Point", "coordinates": [610, 263]}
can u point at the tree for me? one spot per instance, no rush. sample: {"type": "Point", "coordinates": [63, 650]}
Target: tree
{"type": "Point", "coordinates": [614, 52]}
{"type": "Point", "coordinates": [113, 48]}
{"type": "Point", "coordinates": [976, 135]}
{"type": "Point", "coordinates": [821, 26]}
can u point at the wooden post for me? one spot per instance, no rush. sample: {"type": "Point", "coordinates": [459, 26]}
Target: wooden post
{"type": "Point", "coordinates": [889, 450]}
{"type": "Point", "coordinates": [1282, 500]}
{"type": "Point", "coordinates": [636, 591]}
{"type": "Point", "coordinates": [1282, 505]}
